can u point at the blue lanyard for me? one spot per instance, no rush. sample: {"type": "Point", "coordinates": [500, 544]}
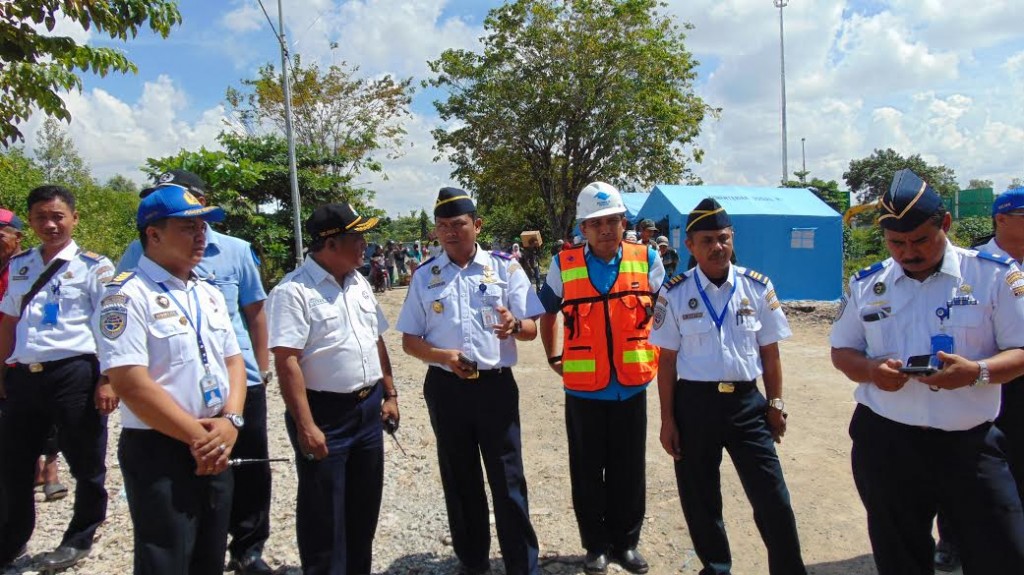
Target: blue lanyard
{"type": "Point", "coordinates": [715, 317]}
{"type": "Point", "coordinates": [197, 326]}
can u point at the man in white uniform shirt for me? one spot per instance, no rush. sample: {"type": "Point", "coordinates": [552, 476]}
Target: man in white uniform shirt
{"type": "Point", "coordinates": [46, 337]}
{"type": "Point", "coordinates": [335, 374]}
{"type": "Point", "coordinates": [166, 343]}
{"type": "Point", "coordinates": [465, 310]}
{"type": "Point", "coordinates": [923, 443]}
{"type": "Point", "coordinates": [719, 328]}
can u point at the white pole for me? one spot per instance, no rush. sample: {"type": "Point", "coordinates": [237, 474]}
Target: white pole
{"type": "Point", "coordinates": [292, 169]}
{"type": "Point", "coordinates": [780, 4]}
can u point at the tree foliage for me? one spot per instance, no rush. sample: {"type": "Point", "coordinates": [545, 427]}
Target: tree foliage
{"type": "Point", "coordinates": [975, 184]}
{"type": "Point", "coordinates": [826, 191]}
{"type": "Point", "coordinates": [870, 177]}
{"type": "Point", "coordinates": [334, 114]}
{"type": "Point", "coordinates": [566, 92]}
{"type": "Point", "coordinates": [59, 159]}
{"type": "Point", "coordinates": [1015, 183]}
{"type": "Point", "coordinates": [35, 66]}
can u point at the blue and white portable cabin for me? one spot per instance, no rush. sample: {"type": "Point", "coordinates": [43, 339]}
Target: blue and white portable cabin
{"type": "Point", "coordinates": [788, 234]}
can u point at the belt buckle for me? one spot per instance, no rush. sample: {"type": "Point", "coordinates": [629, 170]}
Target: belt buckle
{"type": "Point", "coordinates": [726, 387]}
{"type": "Point", "coordinates": [363, 393]}
{"type": "Point", "coordinates": [35, 367]}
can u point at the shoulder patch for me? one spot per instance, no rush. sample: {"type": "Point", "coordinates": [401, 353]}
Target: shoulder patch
{"type": "Point", "coordinates": [869, 271]}
{"type": "Point", "coordinates": [424, 264]}
{"type": "Point", "coordinates": [91, 256]}
{"type": "Point", "coordinates": [756, 276]}
{"type": "Point", "coordinates": [1004, 260]}
{"type": "Point", "coordinates": [675, 281]}
{"type": "Point", "coordinates": [501, 255]}
{"type": "Point", "coordinates": [120, 278]}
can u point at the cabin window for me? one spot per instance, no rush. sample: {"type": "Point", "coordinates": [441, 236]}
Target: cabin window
{"type": "Point", "coordinates": [802, 238]}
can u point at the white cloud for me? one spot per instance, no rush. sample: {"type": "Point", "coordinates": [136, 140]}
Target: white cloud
{"type": "Point", "coordinates": [247, 17]}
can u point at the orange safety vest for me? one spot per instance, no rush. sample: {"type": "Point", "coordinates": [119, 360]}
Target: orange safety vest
{"type": "Point", "coordinates": [606, 332]}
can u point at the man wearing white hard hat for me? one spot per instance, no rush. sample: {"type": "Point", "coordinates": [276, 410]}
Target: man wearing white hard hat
{"type": "Point", "coordinates": [605, 290]}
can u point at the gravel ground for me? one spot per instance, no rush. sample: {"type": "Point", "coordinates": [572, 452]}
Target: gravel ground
{"type": "Point", "coordinates": [412, 537]}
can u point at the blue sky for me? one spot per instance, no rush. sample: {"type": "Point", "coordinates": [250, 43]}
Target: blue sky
{"type": "Point", "coordinates": [942, 78]}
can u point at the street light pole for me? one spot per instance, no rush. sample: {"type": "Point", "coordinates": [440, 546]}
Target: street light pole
{"type": "Point", "coordinates": [803, 155]}
{"type": "Point", "coordinates": [780, 4]}
{"type": "Point", "coordinates": [292, 169]}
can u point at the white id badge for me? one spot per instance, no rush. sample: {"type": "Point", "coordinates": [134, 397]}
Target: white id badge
{"type": "Point", "coordinates": [211, 392]}
{"type": "Point", "coordinates": [488, 316]}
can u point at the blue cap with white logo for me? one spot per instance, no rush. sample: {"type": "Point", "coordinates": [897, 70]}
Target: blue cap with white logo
{"type": "Point", "coordinates": [1008, 201]}
{"type": "Point", "coordinates": [173, 201]}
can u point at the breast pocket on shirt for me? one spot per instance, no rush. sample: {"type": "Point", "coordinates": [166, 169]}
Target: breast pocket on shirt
{"type": "Point", "coordinates": [746, 335]}
{"type": "Point", "coordinates": [174, 339]}
{"type": "Point", "coordinates": [698, 337]}
{"type": "Point", "coordinates": [228, 286]}
{"type": "Point", "coordinates": [325, 322]}
{"type": "Point", "coordinates": [879, 331]}
{"type": "Point", "coordinates": [220, 324]}
{"type": "Point", "coordinates": [74, 298]}
{"type": "Point", "coordinates": [368, 311]}
{"type": "Point", "coordinates": [963, 324]}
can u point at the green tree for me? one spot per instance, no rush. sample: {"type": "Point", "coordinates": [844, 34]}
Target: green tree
{"type": "Point", "coordinates": [975, 184]}
{"type": "Point", "coordinates": [566, 92]}
{"type": "Point", "coordinates": [870, 177]}
{"type": "Point", "coordinates": [1016, 183]}
{"type": "Point", "coordinates": [119, 183]}
{"type": "Point", "coordinates": [36, 66]}
{"type": "Point", "coordinates": [59, 159]}
{"type": "Point", "coordinates": [827, 191]}
{"type": "Point", "coordinates": [335, 114]}
{"type": "Point", "coordinates": [18, 175]}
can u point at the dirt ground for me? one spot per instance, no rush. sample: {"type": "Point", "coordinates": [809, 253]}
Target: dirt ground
{"type": "Point", "coordinates": [412, 535]}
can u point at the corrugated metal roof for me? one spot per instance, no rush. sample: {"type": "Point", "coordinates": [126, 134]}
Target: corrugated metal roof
{"type": "Point", "coordinates": [745, 200]}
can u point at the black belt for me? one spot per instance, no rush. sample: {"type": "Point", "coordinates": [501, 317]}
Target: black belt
{"type": "Point", "coordinates": [48, 365]}
{"type": "Point", "coordinates": [723, 386]}
{"type": "Point", "coordinates": [356, 396]}
{"type": "Point", "coordinates": [484, 373]}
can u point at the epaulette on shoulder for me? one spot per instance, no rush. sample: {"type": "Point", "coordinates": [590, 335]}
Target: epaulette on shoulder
{"type": "Point", "coordinates": [675, 281]}
{"type": "Point", "coordinates": [424, 264]}
{"type": "Point", "coordinates": [21, 255]}
{"type": "Point", "coordinates": [91, 256]}
{"type": "Point", "coordinates": [869, 271]}
{"type": "Point", "coordinates": [501, 255]}
{"type": "Point", "coordinates": [756, 276]}
{"type": "Point", "coordinates": [120, 279]}
{"type": "Point", "coordinates": [1004, 260]}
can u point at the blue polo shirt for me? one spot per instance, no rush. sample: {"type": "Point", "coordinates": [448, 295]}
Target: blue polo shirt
{"type": "Point", "coordinates": [230, 264]}
{"type": "Point", "coordinates": [602, 275]}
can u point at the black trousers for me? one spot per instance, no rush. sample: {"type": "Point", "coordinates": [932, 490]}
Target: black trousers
{"type": "Point", "coordinates": [62, 395]}
{"type": "Point", "coordinates": [250, 505]}
{"type": "Point", "coordinates": [338, 500]}
{"type": "Point", "coordinates": [708, 421]}
{"type": "Point", "coordinates": [607, 469]}
{"type": "Point", "coordinates": [180, 519]}
{"type": "Point", "coordinates": [480, 418]}
{"type": "Point", "coordinates": [1011, 423]}
{"type": "Point", "coordinates": [904, 474]}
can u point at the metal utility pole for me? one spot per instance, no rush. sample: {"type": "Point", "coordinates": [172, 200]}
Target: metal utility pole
{"type": "Point", "coordinates": [292, 169]}
{"type": "Point", "coordinates": [780, 4]}
{"type": "Point", "coordinates": [803, 155]}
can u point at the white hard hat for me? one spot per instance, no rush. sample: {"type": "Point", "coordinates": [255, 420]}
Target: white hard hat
{"type": "Point", "coordinates": [662, 240]}
{"type": "Point", "coordinates": [597, 200]}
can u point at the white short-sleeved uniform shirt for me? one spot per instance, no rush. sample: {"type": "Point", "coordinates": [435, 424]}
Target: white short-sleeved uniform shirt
{"type": "Point", "coordinates": [444, 305]}
{"type": "Point", "coordinates": [335, 326]}
{"type": "Point", "coordinates": [889, 315]}
{"type": "Point", "coordinates": [139, 322]}
{"type": "Point", "coordinates": [753, 318]}
{"type": "Point", "coordinates": [77, 287]}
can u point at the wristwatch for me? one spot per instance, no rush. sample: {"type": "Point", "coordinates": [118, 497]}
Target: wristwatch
{"type": "Point", "coordinates": [517, 326]}
{"type": "Point", "coordinates": [236, 419]}
{"type": "Point", "coordinates": [984, 378]}
{"type": "Point", "coordinates": [267, 376]}
{"type": "Point", "coordinates": [777, 403]}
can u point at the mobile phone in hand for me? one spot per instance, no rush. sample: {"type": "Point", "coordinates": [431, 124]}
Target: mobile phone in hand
{"type": "Point", "coordinates": [470, 364]}
{"type": "Point", "coordinates": [919, 365]}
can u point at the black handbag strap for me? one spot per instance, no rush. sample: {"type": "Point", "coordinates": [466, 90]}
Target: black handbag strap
{"type": "Point", "coordinates": [44, 277]}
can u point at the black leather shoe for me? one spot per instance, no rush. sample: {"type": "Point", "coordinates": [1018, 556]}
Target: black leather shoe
{"type": "Point", "coordinates": [251, 564]}
{"type": "Point", "coordinates": [595, 562]}
{"type": "Point", "coordinates": [631, 560]}
{"type": "Point", "coordinates": [947, 558]}
{"type": "Point", "coordinates": [467, 570]}
{"type": "Point", "coordinates": [61, 558]}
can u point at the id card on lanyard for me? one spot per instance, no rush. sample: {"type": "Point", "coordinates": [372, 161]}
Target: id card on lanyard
{"type": "Point", "coordinates": [209, 385]}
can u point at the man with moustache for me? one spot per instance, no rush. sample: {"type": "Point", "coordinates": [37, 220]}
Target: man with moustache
{"type": "Point", "coordinates": [719, 327]}
{"type": "Point", "coordinates": [605, 290]}
{"type": "Point", "coordinates": [923, 443]}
